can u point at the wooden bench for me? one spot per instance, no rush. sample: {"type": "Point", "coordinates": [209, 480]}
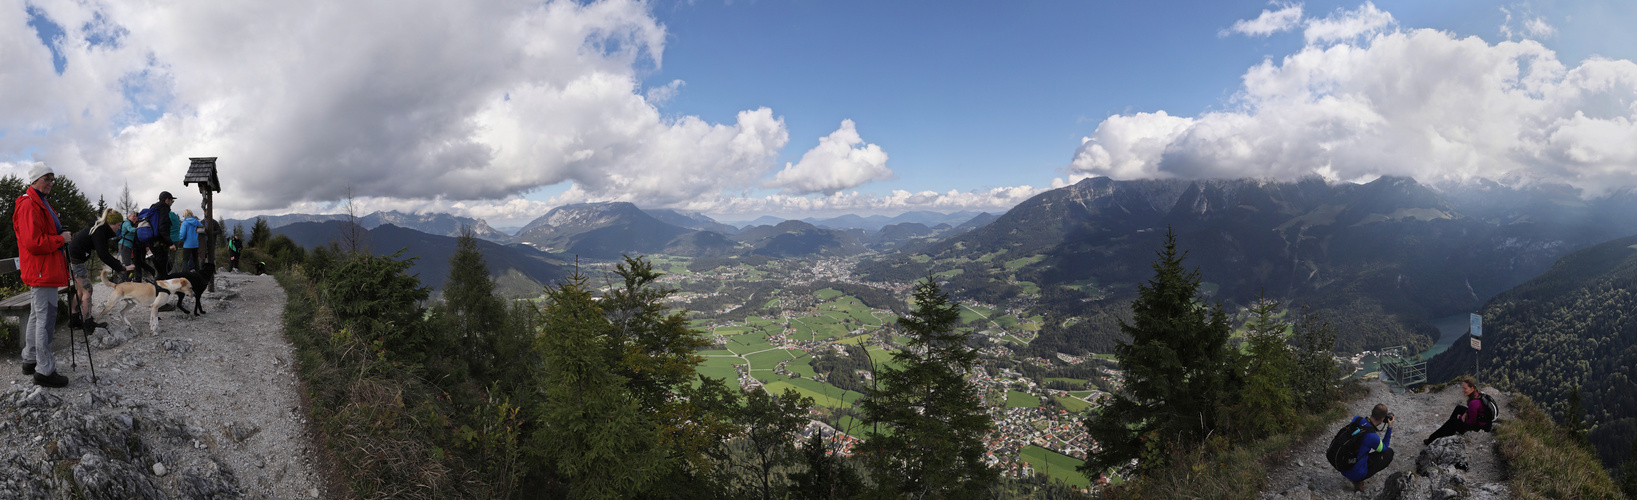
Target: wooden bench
{"type": "Point", "coordinates": [19, 306]}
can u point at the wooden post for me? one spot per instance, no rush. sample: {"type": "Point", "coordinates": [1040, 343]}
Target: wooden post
{"type": "Point", "coordinates": [203, 172]}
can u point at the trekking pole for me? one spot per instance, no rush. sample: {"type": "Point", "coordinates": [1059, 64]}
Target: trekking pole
{"type": "Point", "coordinates": [85, 324]}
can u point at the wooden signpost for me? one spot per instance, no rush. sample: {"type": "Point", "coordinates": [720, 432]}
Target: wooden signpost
{"type": "Point", "coordinates": [203, 172]}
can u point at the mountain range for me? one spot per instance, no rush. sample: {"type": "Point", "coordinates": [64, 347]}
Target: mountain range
{"type": "Point", "coordinates": [519, 271]}
{"type": "Point", "coordinates": [431, 223]}
{"type": "Point", "coordinates": [1377, 259]}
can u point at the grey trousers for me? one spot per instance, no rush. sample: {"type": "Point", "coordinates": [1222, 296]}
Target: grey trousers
{"type": "Point", "coordinates": [42, 325]}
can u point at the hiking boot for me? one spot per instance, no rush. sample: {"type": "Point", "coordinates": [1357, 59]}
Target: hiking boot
{"type": "Point", "coordinates": [73, 321]}
{"type": "Point", "coordinates": [93, 323]}
{"type": "Point", "coordinates": [52, 380]}
{"type": "Point", "coordinates": [28, 368]}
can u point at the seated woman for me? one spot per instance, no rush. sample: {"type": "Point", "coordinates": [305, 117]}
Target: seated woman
{"type": "Point", "coordinates": [1465, 418]}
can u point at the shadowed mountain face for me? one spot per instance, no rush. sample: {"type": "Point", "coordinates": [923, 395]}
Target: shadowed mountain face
{"type": "Point", "coordinates": [1571, 327]}
{"type": "Point", "coordinates": [521, 271]}
{"type": "Point", "coordinates": [793, 238]}
{"type": "Point", "coordinates": [431, 223]}
{"type": "Point", "coordinates": [599, 231]}
{"type": "Point", "coordinates": [694, 221]}
{"type": "Point", "coordinates": [1378, 259]}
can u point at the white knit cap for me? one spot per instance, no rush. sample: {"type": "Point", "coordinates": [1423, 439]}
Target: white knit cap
{"type": "Point", "coordinates": [37, 171]}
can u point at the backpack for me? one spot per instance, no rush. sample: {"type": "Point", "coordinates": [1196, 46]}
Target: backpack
{"type": "Point", "coordinates": [146, 228]}
{"type": "Point", "coordinates": [1343, 451]}
{"type": "Point", "coordinates": [1490, 410]}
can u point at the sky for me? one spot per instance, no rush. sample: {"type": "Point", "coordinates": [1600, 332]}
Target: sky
{"type": "Point", "coordinates": [504, 109]}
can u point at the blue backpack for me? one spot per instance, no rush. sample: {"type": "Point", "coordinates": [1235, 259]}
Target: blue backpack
{"type": "Point", "coordinates": [146, 228]}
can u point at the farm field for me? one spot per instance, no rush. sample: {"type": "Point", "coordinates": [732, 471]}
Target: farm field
{"type": "Point", "coordinates": [1015, 399]}
{"type": "Point", "coordinates": [1055, 465]}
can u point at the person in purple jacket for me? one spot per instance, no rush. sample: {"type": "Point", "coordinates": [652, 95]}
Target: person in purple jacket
{"type": "Point", "coordinates": [1376, 452]}
{"type": "Point", "coordinates": [1465, 418]}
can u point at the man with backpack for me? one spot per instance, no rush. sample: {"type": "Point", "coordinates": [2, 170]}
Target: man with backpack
{"type": "Point", "coordinates": [154, 232]}
{"type": "Point", "coordinates": [1478, 414]}
{"type": "Point", "coordinates": [1360, 449]}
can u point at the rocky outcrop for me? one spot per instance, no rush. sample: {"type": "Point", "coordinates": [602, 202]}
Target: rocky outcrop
{"type": "Point", "coordinates": [1439, 474]}
{"type": "Point", "coordinates": [99, 447]}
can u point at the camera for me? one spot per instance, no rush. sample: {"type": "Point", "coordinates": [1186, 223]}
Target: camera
{"type": "Point", "coordinates": [1390, 417]}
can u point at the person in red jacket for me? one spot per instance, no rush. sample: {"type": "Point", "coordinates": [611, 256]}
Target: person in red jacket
{"type": "Point", "coordinates": [44, 266]}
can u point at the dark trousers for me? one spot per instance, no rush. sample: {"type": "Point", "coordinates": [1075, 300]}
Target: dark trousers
{"type": "Point", "coordinates": [190, 259]}
{"type": "Point", "coordinates": [1455, 425]}
{"type": "Point", "coordinates": [161, 260]}
{"type": "Point", "coordinates": [233, 261]}
{"type": "Point", "coordinates": [137, 257]}
{"type": "Point", "coordinates": [1378, 462]}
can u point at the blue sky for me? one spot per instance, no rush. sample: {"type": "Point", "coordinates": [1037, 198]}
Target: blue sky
{"type": "Point", "coordinates": [505, 109]}
{"type": "Point", "coordinates": [978, 95]}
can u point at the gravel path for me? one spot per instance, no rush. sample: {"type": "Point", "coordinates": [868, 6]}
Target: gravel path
{"type": "Point", "coordinates": [214, 400]}
{"type": "Point", "coordinates": [1305, 474]}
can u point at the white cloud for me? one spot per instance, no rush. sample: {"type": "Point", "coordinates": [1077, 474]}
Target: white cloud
{"type": "Point", "coordinates": [1348, 24]}
{"type": "Point", "coordinates": [1421, 103]}
{"type": "Point", "coordinates": [410, 100]}
{"type": "Point", "coordinates": [995, 199]}
{"type": "Point", "coordinates": [1271, 21]}
{"type": "Point", "coordinates": [1532, 26]}
{"type": "Point", "coordinates": [840, 161]}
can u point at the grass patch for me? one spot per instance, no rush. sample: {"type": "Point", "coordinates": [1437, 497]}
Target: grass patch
{"type": "Point", "coordinates": [819, 399]}
{"type": "Point", "coordinates": [1073, 381]}
{"type": "Point", "coordinates": [828, 293]}
{"type": "Point", "coordinates": [1073, 405]}
{"type": "Point", "coordinates": [769, 359]}
{"type": "Point", "coordinates": [1015, 399]}
{"type": "Point", "coordinates": [1054, 465]}
{"type": "Point", "coordinates": [920, 258]}
{"type": "Point", "coordinates": [1543, 461]}
{"type": "Point", "coordinates": [721, 368]}
{"type": "Point", "coordinates": [855, 340]}
{"type": "Point", "coordinates": [1015, 264]}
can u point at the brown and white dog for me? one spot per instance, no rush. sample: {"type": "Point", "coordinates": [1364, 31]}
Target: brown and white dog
{"type": "Point", "coordinates": [154, 295]}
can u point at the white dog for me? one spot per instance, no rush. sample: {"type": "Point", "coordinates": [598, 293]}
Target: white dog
{"type": "Point", "coordinates": [155, 295]}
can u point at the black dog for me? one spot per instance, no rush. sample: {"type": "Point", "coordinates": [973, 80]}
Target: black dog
{"type": "Point", "coordinates": [200, 280]}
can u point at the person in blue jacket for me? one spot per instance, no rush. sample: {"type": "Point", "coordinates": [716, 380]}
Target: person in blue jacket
{"type": "Point", "coordinates": [1376, 452]}
{"type": "Point", "coordinates": [189, 236]}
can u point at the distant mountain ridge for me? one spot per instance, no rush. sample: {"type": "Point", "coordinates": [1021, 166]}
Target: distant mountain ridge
{"type": "Point", "coordinates": [1378, 258]}
{"type": "Point", "coordinates": [431, 223]}
{"type": "Point", "coordinates": [520, 271]}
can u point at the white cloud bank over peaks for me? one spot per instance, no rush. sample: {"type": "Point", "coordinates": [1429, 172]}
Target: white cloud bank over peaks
{"type": "Point", "coordinates": [1421, 103]}
{"type": "Point", "coordinates": [840, 161]}
{"type": "Point", "coordinates": [441, 101]}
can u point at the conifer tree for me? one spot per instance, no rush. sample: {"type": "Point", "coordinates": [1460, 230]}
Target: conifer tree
{"type": "Point", "coordinates": [260, 233]}
{"type": "Point", "coordinates": [1266, 402]}
{"type": "Point", "coordinates": [936, 418]}
{"type": "Point", "coordinates": [827, 477]}
{"type": "Point", "coordinates": [1175, 368]}
{"type": "Point", "coordinates": [592, 432]}
{"type": "Point", "coordinates": [1315, 379]}
{"type": "Point", "coordinates": [769, 427]}
{"type": "Point", "coordinates": [477, 316]}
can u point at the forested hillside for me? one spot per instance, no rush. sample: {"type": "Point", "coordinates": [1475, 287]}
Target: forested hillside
{"type": "Point", "coordinates": [1573, 327]}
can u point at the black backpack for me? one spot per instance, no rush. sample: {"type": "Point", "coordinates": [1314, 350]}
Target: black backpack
{"type": "Point", "coordinates": [1343, 451]}
{"type": "Point", "coordinates": [1486, 416]}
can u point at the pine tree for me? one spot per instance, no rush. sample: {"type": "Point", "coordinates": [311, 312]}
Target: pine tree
{"type": "Point", "coordinates": [592, 432]}
{"type": "Point", "coordinates": [478, 317]}
{"type": "Point", "coordinates": [1316, 376]}
{"type": "Point", "coordinates": [1266, 402]}
{"type": "Point", "coordinates": [260, 233]}
{"type": "Point", "coordinates": [127, 205]}
{"type": "Point", "coordinates": [1574, 416]}
{"type": "Point", "coordinates": [828, 477]}
{"type": "Point", "coordinates": [1175, 367]}
{"type": "Point", "coordinates": [770, 426]}
{"type": "Point", "coordinates": [936, 418]}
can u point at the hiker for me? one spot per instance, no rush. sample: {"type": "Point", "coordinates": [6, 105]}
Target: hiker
{"type": "Point", "coordinates": [1375, 451]}
{"type": "Point", "coordinates": [190, 230]}
{"type": "Point", "coordinates": [233, 253]}
{"type": "Point", "coordinates": [1466, 417]}
{"type": "Point", "coordinates": [176, 239]}
{"type": "Point", "coordinates": [44, 267]}
{"type": "Point", "coordinates": [161, 244]}
{"type": "Point", "coordinates": [132, 252]}
{"type": "Point", "coordinates": [94, 239]}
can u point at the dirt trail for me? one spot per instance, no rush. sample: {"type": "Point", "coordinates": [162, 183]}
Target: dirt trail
{"type": "Point", "coordinates": [215, 396]}
{"type": "Point", "coordinates": [1305, 474]}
